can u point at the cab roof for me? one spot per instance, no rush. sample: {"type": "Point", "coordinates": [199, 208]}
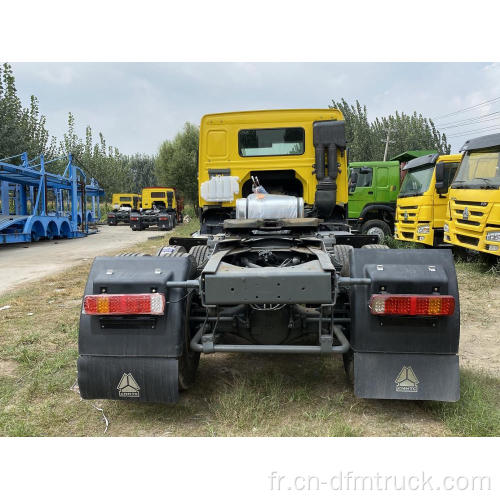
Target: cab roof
{"type": "Point", "coordinates": [273, 115]}
{"type": "Point", "coordinates": [484, 142]}
{"type": "Point", "coordinates": [431, 159]}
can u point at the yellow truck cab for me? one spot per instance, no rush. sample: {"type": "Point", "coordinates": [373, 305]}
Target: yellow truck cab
{"type": "Point", "coordinates": [123, 204]}
{"type": "Point", "coordinates": [161, 207]}
{"type": "Point", "coordinates": [159, 197]}
{"type": "Point", "coordinates": [423, 198]}
{"type": "Point", "coordinates": [473, 217]}
{"type": "Point", "coordinates": [277, 147]}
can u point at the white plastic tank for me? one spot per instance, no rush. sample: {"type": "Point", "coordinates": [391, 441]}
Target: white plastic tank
{"type": "Point", "coordinates": [220, 188]}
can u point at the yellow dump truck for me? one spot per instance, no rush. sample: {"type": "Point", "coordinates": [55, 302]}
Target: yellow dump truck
{"type": "Point", "coordinates": [160, 207]}
{"type": "Point", "coordinates": [473, 217]}
{"type": "Point", "coordinates": [423, 198]}
{"type": "Point", "coordinates": [271, 146]}
{"type": "Point", "coordinates": [123, 204]}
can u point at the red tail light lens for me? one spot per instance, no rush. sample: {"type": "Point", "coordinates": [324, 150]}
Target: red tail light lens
{"type": "Point", "coordinates": [163, 218]}
{"type": "Point", "coordinates": [412, 305]}
{"type": "Point", "coordinates": [134, 218]}
{"type": "Point", "coordinates": [136, 303]}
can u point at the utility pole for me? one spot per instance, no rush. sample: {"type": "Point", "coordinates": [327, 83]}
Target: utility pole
{"type": "Point", "coordinates": [387, 141]}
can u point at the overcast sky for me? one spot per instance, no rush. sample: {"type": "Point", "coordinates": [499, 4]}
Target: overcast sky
{"type": "Point", "coordinates": [138, 105]}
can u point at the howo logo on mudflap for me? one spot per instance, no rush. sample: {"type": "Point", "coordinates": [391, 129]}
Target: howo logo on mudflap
{"type": "Point", "coordinates": [407, 381]}
{"type": "Point", "coordinates": [128, 387]}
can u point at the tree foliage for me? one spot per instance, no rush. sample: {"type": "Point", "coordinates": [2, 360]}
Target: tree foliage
{"type": "Point", "coordinates": [176, 163]}
{"type": "Point", "coordinates": [366, 140]}
{"type": "Point", "coordinates": [21, 129]}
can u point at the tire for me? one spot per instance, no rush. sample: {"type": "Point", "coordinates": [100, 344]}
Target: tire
{"type": "Point", "coordinates": [133, 254]}
{"type": "Point", "coordinates": [189, 360]}
{"type": "Point", "coordinates": [348, 359]}
{"type": "Point", "coordinates": [171, 251]}
{"type": "Point", "coordinates": [376, 246]}
{"type": "Point", "coordinates": [341, 256]}
{"type": "Point", "coordinates": [376, 227]}
{"type": "Point", "coordinates": [200, 254]}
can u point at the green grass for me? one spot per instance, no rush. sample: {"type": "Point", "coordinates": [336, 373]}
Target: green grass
{"type": "Point", "coordinates": [477, 413]}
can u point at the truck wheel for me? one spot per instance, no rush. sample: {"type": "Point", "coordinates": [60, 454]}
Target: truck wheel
{"type": "Point", "coordinates": [189, 360]}
{"type": "Point", "coordinates": [348, 359]}
{"type": "Point", "coordinates": [200, 254]}
{"type": "Point", "coordinates": [376, 227]}
{"type": "Point", "coordinates": [171, 251]}
{"type": "Point", "coordinates": [377, 245]}
{"type": "Point", "coordinates": [341, 256]}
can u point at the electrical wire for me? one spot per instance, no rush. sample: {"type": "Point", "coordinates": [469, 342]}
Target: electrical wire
{"type": "Point", "coordinates": [479, 130]}
{"type": "Point", "coordinates": [471, 121]}
{"type": "Point", "coordinates": [469, 108]}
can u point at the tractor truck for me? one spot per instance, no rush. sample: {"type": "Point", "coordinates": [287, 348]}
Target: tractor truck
{"type": "Point", "coordinates": [160, 207]}
{"type": "Point", "coordinates": [284, 275]}
{"type": "Point", "coordinates": [123, 204]}
{"type": "Point", "coordinates": [473, 217]}
{"type": "Point", "coordinates": [423, 199]}
{"type": "Point", "coordinates": [373, 190]}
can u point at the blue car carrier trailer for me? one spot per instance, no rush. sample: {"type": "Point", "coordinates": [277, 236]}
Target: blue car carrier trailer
{"type": "Point", "coordinates": [37, 204]}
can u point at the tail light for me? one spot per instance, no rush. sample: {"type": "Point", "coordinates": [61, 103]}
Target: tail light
{"type": "Point", "coordinates": [135, 303]}
{"type": "Point", "coordinates": [111, 215]}
{"type": "Point", "coordinates": [412, 305]}
{"type": "Point", "coordinates": [163, 218]}
{"type": "Point", "coordinates": [134, 218]}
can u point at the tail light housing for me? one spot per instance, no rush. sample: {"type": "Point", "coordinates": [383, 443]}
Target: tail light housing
{"type": "Point", "coordinates": [124, 304]}
{"type": "Point", "coordinates": [386, 304]}
{"type": "Point", "coordinates": [134, 218]}
{"type": "Point", "coordinates": [163, 218]}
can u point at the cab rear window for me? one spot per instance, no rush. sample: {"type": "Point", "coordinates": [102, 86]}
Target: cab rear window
{"type": "Point", "coordinates": [271, 142]}
{"type": "Point", "coordinates": [157, 194]}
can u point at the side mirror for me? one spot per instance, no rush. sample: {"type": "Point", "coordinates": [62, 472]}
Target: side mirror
{"type": "Point", "coordinates": [440, 186]}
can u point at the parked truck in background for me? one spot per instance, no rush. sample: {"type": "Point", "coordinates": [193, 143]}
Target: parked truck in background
{"type": "Point", "coordinates": [373, 190]}
{"type": "Point", "coordinates": [423, 198]}
{"type": "Point", "coordinates": [473, 216]}
{"type": "Point", "coordinates": [123, 204]}
{"type": "Point", "coordinates": [160, 207]}
{"type": "Point", "coordinates": [283, 275]}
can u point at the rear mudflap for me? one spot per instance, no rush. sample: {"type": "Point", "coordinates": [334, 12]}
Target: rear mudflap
{"type": "Point", "coordinates": [128, 378]}
{"type": "Point", "coordinates": [406, 376]}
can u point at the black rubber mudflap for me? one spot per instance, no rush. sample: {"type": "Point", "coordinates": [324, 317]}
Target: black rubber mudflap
{"type": "Point", "coordinates": [128, 378]}
{"type": "Point", "coordinates": [406, 376]}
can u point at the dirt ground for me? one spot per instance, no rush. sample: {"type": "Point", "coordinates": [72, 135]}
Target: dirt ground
{"type": "Point", "coordinates": [22, 263]}
{"type": "Point", "coordinates": [480, 321]}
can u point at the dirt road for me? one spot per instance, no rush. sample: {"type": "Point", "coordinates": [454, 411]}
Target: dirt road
{"type": "Point", "coordinates": [20, 264]}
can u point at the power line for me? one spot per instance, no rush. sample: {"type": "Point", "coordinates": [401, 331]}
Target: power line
{"type": "Point", "coordinates": [490, 128]}
{"type": "Point", "coordinates": [477, 119]}
{"type": "Point", "coordinates": [469, 108]}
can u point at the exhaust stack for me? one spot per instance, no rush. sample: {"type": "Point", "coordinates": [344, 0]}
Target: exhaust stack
{"type": "Point", "coordinates": [328, 136]}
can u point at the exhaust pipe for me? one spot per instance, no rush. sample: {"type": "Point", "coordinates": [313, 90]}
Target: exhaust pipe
{"type": "Point", "coordinates": [328, 136]}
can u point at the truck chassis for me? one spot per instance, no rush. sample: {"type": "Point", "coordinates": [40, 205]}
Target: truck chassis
{"type": "Point", "coordinates": [272, 286]}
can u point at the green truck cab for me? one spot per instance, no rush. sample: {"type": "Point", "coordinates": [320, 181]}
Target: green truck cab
{"type": "Point", "coordinates": [373, 191]}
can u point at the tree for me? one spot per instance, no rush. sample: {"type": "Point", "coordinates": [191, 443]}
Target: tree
{"type": "Point", "coordinates": [142, 169]}
{"type": "Point", "coordinates": [366, 140]}
{"type": "Point", "coordinates": [176, 163]}
{"type": "Point", "coordinates": [21, 129]}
